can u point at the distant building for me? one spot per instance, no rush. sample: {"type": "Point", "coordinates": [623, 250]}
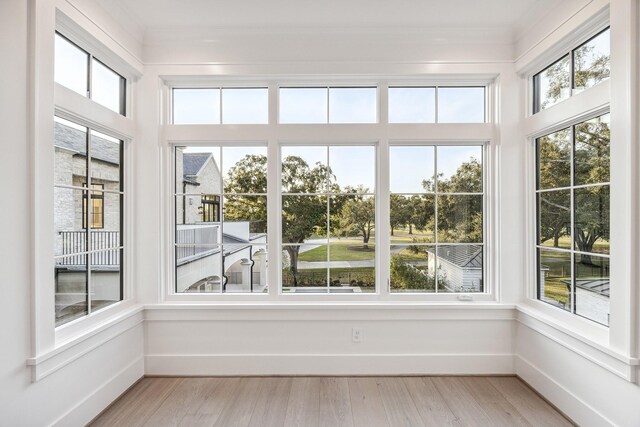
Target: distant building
{"type": "Point", "coordinates": [459, 267]}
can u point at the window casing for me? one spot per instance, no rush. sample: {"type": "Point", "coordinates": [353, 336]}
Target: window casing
{"type": "Point", "coordinates": [572, 221]}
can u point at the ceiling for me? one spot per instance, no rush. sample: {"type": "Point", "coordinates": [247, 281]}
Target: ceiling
{"type": "Point", "coordinates": [504, 16]}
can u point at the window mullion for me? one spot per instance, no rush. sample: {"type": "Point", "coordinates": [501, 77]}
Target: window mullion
{"type": "Point", "coordinates": [274, 220]}
{"type": "Point", "coordinates": [383, 225]}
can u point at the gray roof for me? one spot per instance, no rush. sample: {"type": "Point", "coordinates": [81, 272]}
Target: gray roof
{"type": "Point", "coordinates": [75, 140]}
{"type": "Point", "coordinates": [193, 162]}
{"type": "Point", "coordinates": [466, 256]}
{"type": "Point", "coordinates": [595, 285]}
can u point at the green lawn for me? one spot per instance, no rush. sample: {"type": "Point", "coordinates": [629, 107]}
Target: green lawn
{"type": "Point", "coordinates": [339, 252]}
{"type": "Point", "coordinates": [401, 235]}
{"type": "Point", "coordinates": [601, 246]}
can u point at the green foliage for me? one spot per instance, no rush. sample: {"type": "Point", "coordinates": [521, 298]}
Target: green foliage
{"type": "Point", "coordinates": [406, 276]}
{"type": "Point", "coordinates": [357, 215]}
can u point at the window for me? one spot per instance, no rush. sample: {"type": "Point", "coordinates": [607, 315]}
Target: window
{"type": "Point", "coordinates": [82, 73]}
{"type": "Point", "coordinates": [88, 261]}
{"type": "Point", "coordinates": [96, 217]}
{"type": "Point", "coordinates": [573, 206]}
{"type": "Point", "coordinates": [220, 219]}
{"type": "Point", "coordinates": [212, 106]}
{"type": "Point", "coordinates": [576, 71]}
{"type": "Point", "coordinates": [328, 219]}
{"type": "Point", "coordinates": [328, 105]}
{"type": "Point", "coordinates": [436, 218]}
{"type": "Point", "coordinates": [437, 104]}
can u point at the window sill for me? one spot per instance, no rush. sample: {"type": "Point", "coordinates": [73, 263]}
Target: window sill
{"type": "Point", "coordinates": [590, 341]}
{"type": "Point", "coordinates": [93, 335]}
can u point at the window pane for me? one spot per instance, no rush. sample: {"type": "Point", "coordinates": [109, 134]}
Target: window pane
{"type": "Point", "coordinates": [245, 106]}
{"type": "Point", "coordinates": [554, 160]}
{"type": "Point", "coordinates": [106, 224]}
{"type": "Point", "coordinates": [245, 268]}
{"type": "Point", "coordinates": [412, 105]}
{"type": "Point", "coordinates": [70, 158]}
{"type": "Point", "coordinates": [412, 218]}
{"type": "Point", "coordinates": [411, 169]}
{"type": "Point", "coordinates": [245, 169]}
{"type": "Point", "coordinates": [70, 235]}
{"type": "Point", "coordinates": [352, 218]}
{"type": "Point", "coordinates": [461, 105]}
{"type": "Point", "coordinates": [198, 170]}
{"type": "Point", "coordinates": [353, 169]}
{"type": "Point", "coordinates": [304, 169]}
{"type": "Point", "coordinates": [304, 266]}
{"type": "Point", "coordinates": [554, 209]}
{"type": "Point", "coordinates": [591, 61]}
{"type": "Point", "coordinates": [245, 219]}
{"type": "Point", "coordinates": [196, 106]}
{"type": "Point", "coordinates": [105, 278]}
{"type": "Point", "coordinates": [353, 105]}
{"type": "Point", "coordinates": [70, 288]}
{"type": "Point", "coordinates": [105, 161]}
{"type": "Point", "coordinates": [554, 279]}
{"type": "Point", "coordinates": [106, 87]}
{"type": "Point", "coordinates": [352, 267]}
{"type": "Point", "coordinates": [198, 219]}
{"type": "Point", "coordinates": [459, 169]}
{"type": "Point", "coordinates": [412, 269]}
{"type": "Point", "coordinates": [460, 219]}
{"type": "Point", "coordinates": [459, 268]}
{"type": "Point", "coordinates": [71, 66]}
{"type": "Point", "coordinates": [592, 287]}
{"type": "Point", "coordinates": [552, 84]}
{"type": "Point", "coordinates": [303, 105]}
{"type": "Point", "coordinates": [198, 269]}
{"type": "Point", "coordinates": [592, 160]}
{"type": "Point", "coordinates": [303, 218]}
{"type": "Point", "coordinates": [591, 217]}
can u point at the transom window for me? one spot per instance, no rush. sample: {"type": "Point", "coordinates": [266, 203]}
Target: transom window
{"type": "Point", "coordinates": [580, 69]}
{"type": "Point", "coordinates": [88, 260]}
{"type": "Point", "coordinates": [213, 106]}
{"type": "Point", "coordinates": [328, 105]}
{"type": "Point", "coordinates": [437, 104]}
{"type": "Point", "coordinates": [81, 72]}
{"type": "Point", "coordinates": [573, 167]}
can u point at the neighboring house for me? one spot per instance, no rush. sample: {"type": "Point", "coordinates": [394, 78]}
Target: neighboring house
{"type": "Point", "coordinates": [198, 234]}
{"type": "Point", "coordinates": [592, 298]}
{"type": "Point", "coordinates": [459, 267]}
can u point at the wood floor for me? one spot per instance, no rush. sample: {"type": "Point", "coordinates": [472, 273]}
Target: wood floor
{"type": "Point", "coordinates": [331, 401]}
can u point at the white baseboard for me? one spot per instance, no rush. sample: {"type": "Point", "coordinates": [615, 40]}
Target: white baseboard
{"type": "Point", "coordinates": [103, 396]}
{"type": "Point", "coordinates": [567, 402]}
{"type": "Point", "coordinates": [329, 364]}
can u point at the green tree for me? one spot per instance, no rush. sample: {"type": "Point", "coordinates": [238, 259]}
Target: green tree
{"type": "Point", "coordinates": [357, 215]}
{"type": "Point", "coordinates": [249, 175]}
{"type": "Point", "coordinates": [400, 213]}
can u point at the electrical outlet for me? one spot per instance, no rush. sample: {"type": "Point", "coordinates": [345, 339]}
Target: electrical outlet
{"type": "Point", "coordinates": [356, 335]}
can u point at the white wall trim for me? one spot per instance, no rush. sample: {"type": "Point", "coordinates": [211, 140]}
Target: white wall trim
{"type": "Point", "coordinates": [623, 366]}
{"type": "Point", "coordinates": [47, 363]}
{"type": "Point", "coordinates": [567, 402]}
{"type": "Point", "coordinates": [328, 364]}
{"type": "Point", "coordinates": [88, 408]}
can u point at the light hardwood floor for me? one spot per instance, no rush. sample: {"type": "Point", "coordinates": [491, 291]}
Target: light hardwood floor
{"type": "Point", "coordinates": [331, 401]}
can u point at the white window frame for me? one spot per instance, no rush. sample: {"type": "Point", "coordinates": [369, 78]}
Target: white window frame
{"type": "Point", "coordinates": [380, 134]}
{"type": "Point", "coordinates": [52, 99]}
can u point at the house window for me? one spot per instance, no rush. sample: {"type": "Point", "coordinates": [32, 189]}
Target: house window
{"type": "Point", "coordinates": [328, 219]}
{"type": "Point", "coordinates": [572, 193]}
{"type": "Point", "coordinates": [579, 69]}
{"type": "Point", "coordinates": [308, 105]}
{"type": "Point", "coordinates": [213, 106]}
{"type": "Point", "coordinates": [436, 218]}
{"type": "Point", "coordinates": [463, 104]}
{"type": "Point", "coordinates": [88, 260]}
{"type": "Point", "coordinates": [84, 74]}
{"type": "Point", "coordinates": [96, 214]}
{"type": "Point", "coordinates": [220, 219]}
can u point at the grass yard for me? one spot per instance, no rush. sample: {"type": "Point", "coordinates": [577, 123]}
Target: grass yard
{"type": "Point", "coordinates": [601, 246]}
{"type": "Point", "coordinates": [341, 252]}
{"type": "Point", "coordinates": [401, 235]}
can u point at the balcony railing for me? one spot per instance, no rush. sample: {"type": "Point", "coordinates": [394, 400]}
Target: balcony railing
{"type": "Point", "coordinates": [104, 248]}
{"type": "Point", "coordinates": [188, 237]}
